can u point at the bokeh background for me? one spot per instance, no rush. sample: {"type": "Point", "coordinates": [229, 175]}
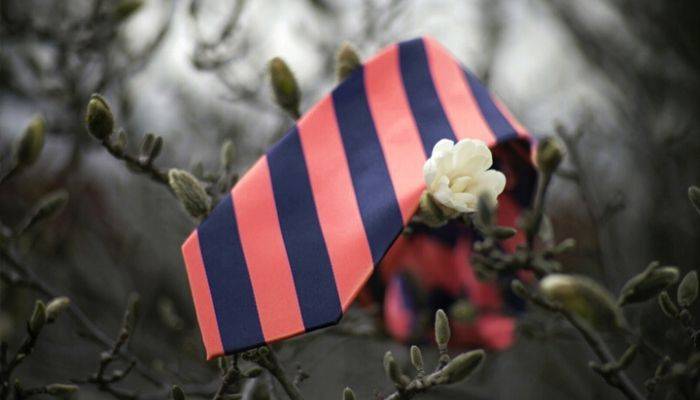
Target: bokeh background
{"type": "Point", "coordinates": [619, 77]}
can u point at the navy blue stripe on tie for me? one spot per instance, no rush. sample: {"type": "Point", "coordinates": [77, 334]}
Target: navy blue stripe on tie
{"type": "Point", "coordinates": [498, 123]}
{"type": "Point", "coordinates": [430, 118]}
{"type": "Point", "coordinates": [306, 249]}
{"type": "Point", "coordinates": [374, 191]}
{"type": "Point", "coordinates": [229, 282]}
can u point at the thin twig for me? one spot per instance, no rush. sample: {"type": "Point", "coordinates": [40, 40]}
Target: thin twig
{"type": "Point", "coordinates": [136, 164]}
{"type": "Point", "coordinates": [268, 360]}
{"type": "Point", "coordinates": [92, 329]}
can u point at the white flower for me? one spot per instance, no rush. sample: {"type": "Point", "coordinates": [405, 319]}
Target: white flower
{"type": "Point", "coordinates": [457, 174]}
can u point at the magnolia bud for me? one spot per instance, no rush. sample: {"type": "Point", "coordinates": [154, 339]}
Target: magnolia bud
{"type": "Point", "coordinates": [549, 155]}
{"type": "Point", "coordinates": [348, 394]}
{"type": "Point", "coordinates": [392, 370]}
{"type": "Point", "coordinates": [485, 210]}
{"type": "Point", "coordinates": [155, 149]}
{"type": "Point", "coordinates": [61, 389]}
{"type": "Point", "coordinates": [177, 393]}
{"type": "Point", "coordinates": [694, 196]}
{"type": "Point", "coordinates": [503, 232]}
{"type": "Point", "coordinates": [462, 310]}
{"type": "Point", "coordinates": [462, 366]}
{"type": "Point", "coordinates": [99, 118]}
{"type": "Point", "coordinates": [564, 246]}
{"type": "Point", "coordinates": [688, 289]}
{"type": "Point", "coordinates": [29, 146]}
{"type": "Point", "coordinates": [132, 312]}
{"type": "Point", "coordinates": [285, 87]}
{"type": "Point", "coordinates": [47, 208]}
{"type": "Point", "coordinates": [346, 61]}
{"type": "Point", "coordinates": [442, 329]}
{"type": "Point", "coordinates": [667, 305]}
{"type": "Point", "coordinates": [519, 289]}
{"type": "Point", "coordinates": [127, 8]}
{"type": "Point", "coordinates": [223, 364]}
{"type": "Point", "coordinates": [38, 318]}
{"type": "Point", "coordinates": [119, 143]}
{"type": "Point", "coordinates": [263, 351]}
{"type": "Point", "coordinates": [253, 372]}
{"type": "Point", "coordinates": [430, 213]}
{"type": "Point", "coordinates": [584, 298]}
{"type": "Point", "coordinates": [228, 154]}
{"type": "Point", "coordinates": [190, 192]}
{"type": "Point", "coordinates": [56, 307]}
{"type": "Point", "coordinates": [417, 358]}
{"type": "Point", "coordinates": [647, 284]}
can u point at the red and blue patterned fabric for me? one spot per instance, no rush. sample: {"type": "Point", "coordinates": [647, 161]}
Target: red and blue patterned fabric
{"type": "Point", "coordinates": [430, 269]}
{"type": "Point", "coordinates": [299, 235]}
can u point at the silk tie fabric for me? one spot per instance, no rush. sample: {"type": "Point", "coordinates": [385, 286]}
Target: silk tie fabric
{"type": "Point", "coordinates": [290, 247]}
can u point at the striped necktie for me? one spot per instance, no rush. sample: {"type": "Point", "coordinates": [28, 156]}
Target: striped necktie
{"type": "Point", "coordinates": [290, 247]}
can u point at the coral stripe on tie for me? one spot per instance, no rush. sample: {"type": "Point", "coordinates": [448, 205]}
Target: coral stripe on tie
{"type": "Point", "coordinates": [265, 254]}
{"type": "Point", "coordinates": [203, 304]}
{"type": "Point", "coordinates": [396, 128]}
{"type": "Point", "coordinates": [457, 100]}
{"type": "Point", "coordinates": [331, 183]}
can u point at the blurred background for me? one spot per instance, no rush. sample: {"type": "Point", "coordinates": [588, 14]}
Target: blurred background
{"type": "Point", "coordinates": [620, 79]}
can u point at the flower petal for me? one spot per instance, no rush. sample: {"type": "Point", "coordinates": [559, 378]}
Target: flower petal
{"type": "Point", "coordinates": [493, 180]}
{"type": "Point", "coordinates": [441, 147]}
{"type": "Point", "coordinates": [460, 183]}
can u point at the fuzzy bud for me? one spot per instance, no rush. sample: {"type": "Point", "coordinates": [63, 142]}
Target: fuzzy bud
{"type": "Point", "coordinates": [485, 211]}
{"type": "Point", "coordinates": [503, 232]}
{"type": "Point", "coordinates": [119, 143]}
{"type": "Point", "coordinates": [155, 149]}
{"type": "Point", "coordinates": [688, 289]}
{"type": "Point", "coordinates": [346, 61]}
{"type": "Point", "coordinates": [430, 213]}
{"type": "Point", "coordinates": [392, 370]}
{"type": "Point", "coordinates": [584, 298]}
{"type": "Point", "coordinates": [285, 87]}
{"type": "Point", "coordinates": [132, 312]}
{"type": "Point", "coordinates": [228, 155]}
{"type": "Point", "coordinates": [98, 118]}
{"type": "Point", "coordinates": [417, 358]}
{"type": "Point", "coordinates": [177, 393]}
{"type": "Point", "coordinates": [647, 284]}
{"type": "Point", "coordinates": [348, 394]}
{"type": "Point", "coordinates": [29, 146]}
{"type": "Point", "coordinates": [694, 196]}
{"type": "Point", "coordinates": [462, 310]}
{"type": "Point", "coordinates": [56, 307]}
{"type": "Point", "coordinates": [61, 389]}
{"type": "Point", "coordinates": [223, 364]}
{"type": "Point", "coordinates": [519, 289]}
{"type": "Point", "coordinates": [564, 246]}
{"type": "Point", "coordinates": [462, 366]}
{"type": "Point", "coordinates": [263, 351]}
{"type": "Point", "coordinates": [667, 305]}
{"type": "Point", "coordinates": [549, 155]}
{"type": "Point", "coordinates": [253, 372]}
{"type": "Point", "coordinates": [47, 208]}
{"type": "Point", "coordinates": [442, 329]}
{"type": "Point", "coordinates": [190, 192]}
{"type": "Point", "coordinates": [127, 8]}
{"type": "Point", "coordinates": [38, 318]}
